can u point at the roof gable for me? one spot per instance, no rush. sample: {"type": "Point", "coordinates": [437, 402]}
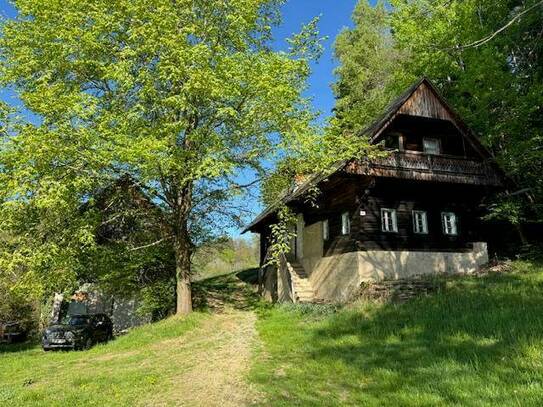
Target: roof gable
{"type": "Point", "coordinates": [424, 100]}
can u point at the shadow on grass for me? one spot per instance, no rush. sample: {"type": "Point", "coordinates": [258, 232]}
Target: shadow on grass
{"type": "Point", "coordinates": [479, 342]}
{"type": "Point", "coordinates": [236, 290]}
{"type": "Point", "coordinates": [17, 347]}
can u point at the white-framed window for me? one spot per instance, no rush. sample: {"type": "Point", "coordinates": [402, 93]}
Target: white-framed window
{"type": "Point", "coordinates": [389, 222]}
{"type": "Point", "coordinates": [420, 222]}
{"type": "Point", "coordinates": [325, 230]}
{"type": "Point", "coordinates": [449, 221]}
{"type": "Point", "coordinates": [431, 145]}
{"type": "Point", "coordinates": [345, 223]}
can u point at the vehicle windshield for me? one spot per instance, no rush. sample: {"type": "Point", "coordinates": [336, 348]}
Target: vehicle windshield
{"type": "Point", "coordinates": [76, 320]}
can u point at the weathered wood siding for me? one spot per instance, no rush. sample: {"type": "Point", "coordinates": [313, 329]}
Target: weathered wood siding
{"type": "Point", "coordinates": [407, 196]}
{"type": "Point", "coordinates": [424, 103]}
{"type": "Point", "coordinates": [355, 195]}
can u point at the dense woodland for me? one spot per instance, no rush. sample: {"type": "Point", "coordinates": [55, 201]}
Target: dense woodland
{"type": "Point", "coordinates": [123, 93]}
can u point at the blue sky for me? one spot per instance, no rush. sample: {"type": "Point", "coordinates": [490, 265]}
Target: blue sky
{"type": "Point", "coordinates": [335, 15]}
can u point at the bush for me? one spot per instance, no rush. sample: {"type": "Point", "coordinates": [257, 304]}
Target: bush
{"type": "Point", "coordinates": [313, 310]}
{"type": "Point", "coordinates": [158, 299]}
{"type": "Point", "coordinates": [16, 308]}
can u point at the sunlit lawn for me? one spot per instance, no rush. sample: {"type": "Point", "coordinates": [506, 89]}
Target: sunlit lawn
{"type": "Point", "coordinates": [479, 343]}
{"type": "Point", "coordinates": [121, 373]}
{"type": "Point", "coordinates": [139, 368]}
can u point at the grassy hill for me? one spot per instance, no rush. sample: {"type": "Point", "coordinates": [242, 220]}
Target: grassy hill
{"type": "Point", "coordinates": [120, 373]}
{"type": "Point", "coordinates": [480, 342]}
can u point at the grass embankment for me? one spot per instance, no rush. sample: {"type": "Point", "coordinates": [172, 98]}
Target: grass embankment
{"type": "Point", "coordinates": [119, 373]}
{"type": "Point", "coordinates": [478, 343]}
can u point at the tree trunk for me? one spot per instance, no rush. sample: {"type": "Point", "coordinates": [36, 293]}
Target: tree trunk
{"type": "Point", "coordinates": [183, 251]}
{"type": "Point", "coordinates": [520, 230]}
{"type": "Point", "coordinates": [182, 271]}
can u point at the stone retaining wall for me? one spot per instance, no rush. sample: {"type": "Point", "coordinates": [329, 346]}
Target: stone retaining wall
{"type": "Point", "coordinates": [400, 290]}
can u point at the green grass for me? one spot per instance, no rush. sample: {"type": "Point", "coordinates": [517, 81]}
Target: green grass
{"type": "Point", "coordinates": [478, 343]}
{"type": "Point", "coordinates": [144, 367]}
{"type": "Point", "coordinates": [121, 373]}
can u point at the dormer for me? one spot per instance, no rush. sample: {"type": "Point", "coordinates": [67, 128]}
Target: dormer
{"type": "Point", "coordinates": [428, 142]}
{"type": "Point", "coordinates": [419, 135]}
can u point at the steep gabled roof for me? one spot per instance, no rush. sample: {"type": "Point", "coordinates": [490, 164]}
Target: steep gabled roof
{"type": "Point", "coordinates": [421, 99]}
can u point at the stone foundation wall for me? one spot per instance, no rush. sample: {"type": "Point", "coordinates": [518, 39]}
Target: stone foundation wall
{"type": "Point", "coordinates": [400, 290]}
{"type": "Point", "coordinates": [338, 277]}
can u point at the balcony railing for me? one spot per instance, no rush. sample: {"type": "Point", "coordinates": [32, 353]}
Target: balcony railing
{"type": "Point", "coordinates": [428, 167]}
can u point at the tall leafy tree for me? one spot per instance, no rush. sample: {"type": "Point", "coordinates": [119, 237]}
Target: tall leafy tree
{"type": "Point", "coordinates": [181, 95]}
{"type": "Point", "coordinates": [365, 76]}
{"type": "Point", "coordinates": [487, 58]}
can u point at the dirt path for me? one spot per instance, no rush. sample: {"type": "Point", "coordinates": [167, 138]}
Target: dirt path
{"type": "Point", "coordinates": [216, 359]}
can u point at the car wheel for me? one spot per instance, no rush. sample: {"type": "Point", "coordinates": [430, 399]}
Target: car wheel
{"type": "Point", "coordinates": [88, 343]}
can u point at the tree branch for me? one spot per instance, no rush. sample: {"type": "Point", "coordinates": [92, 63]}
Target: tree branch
{"type": "Point", "coordinates": [489, 37]}
{"type": "Point", "coordinates": [151, 244]}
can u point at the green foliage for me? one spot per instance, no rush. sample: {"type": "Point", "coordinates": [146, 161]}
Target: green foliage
{"type": "Point", "coordinates": [158, 299]}
{"type": "Point", "coordinates": [179, 95]}
{"type": "Point", "coordinates": [225, 255]}
{"type": "Point", "coordinates": [368, 61]}
{"type": "Point", "coordinates": [495, 84]}
{"type": "Point", "coordinates": [507, 209]}
{"type": "Point", "coordinates": [282, 233]}
{"type": "Point", "coordinates": [17, 307]}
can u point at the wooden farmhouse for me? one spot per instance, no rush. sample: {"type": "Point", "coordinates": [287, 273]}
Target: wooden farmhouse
{"type": "Point", "coordinates": [416, 211]}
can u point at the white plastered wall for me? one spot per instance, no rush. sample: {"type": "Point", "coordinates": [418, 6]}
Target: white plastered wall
{"type": "Point", "coordinates": [339, 276]}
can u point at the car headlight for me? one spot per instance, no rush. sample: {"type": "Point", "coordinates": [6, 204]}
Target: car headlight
{"type": "Point", "coordinates": [70, 336]}
{"type": "Point", "coordinates": [47, 332]}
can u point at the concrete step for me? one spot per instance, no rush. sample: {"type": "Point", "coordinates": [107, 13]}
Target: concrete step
{"type": "Point", "coordinates": [300, 289]}
{"type": "Point", "coordinates": [302, 286]}
{"type": "Point", "coordinates": [307, 293]}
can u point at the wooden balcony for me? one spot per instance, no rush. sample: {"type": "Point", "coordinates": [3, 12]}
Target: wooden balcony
{"type": "Point", "coordinates": [427, 167]}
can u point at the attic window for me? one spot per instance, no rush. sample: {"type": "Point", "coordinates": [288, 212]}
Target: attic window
{"type": "Point", "coordinates": [392, 142]}
{"type": "Point", "coordinates": [431, 145]}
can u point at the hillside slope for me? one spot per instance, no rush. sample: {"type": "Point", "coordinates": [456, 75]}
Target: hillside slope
{"type": "Point", "coordinates": [479, 343]}
{"type": "Point", "coordinates": [200, 360]}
